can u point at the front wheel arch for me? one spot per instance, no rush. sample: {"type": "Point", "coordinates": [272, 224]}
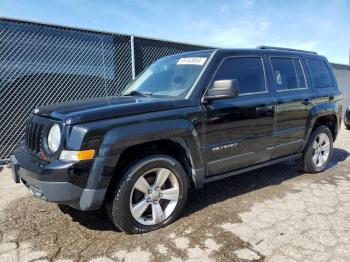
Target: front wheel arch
{"type": "Point", "coordinates": [133, 153]}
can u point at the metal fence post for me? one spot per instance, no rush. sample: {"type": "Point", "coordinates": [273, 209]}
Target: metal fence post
{"type": "Point", "coordinates": [132, 46]}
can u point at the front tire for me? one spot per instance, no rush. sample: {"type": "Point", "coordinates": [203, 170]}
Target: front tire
{"type": "Point", "coordinates": [318, 151]}
{"type": "Point", "coordinates": [150, 195]}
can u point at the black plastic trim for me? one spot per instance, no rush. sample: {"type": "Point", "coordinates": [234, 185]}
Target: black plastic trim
{"type": "Point", "coordinates": [250, 168]}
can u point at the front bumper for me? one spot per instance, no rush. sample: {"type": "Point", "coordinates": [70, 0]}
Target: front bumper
{"type": "Point", "coordinates": [81, 185]}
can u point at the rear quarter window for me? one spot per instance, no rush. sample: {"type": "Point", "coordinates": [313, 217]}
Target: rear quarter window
{"type": "Point", "coordinates": [320, 75]}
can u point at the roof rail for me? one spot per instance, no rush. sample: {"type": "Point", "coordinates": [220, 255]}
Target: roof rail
{"type": "Point", "coordinates": [285, 49]}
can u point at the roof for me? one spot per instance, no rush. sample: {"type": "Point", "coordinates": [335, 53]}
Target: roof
{"type": "Point", "coordinates": [271, 50]}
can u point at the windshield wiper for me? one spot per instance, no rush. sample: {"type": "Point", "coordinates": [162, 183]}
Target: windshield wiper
{"type": "Point", "coordinates": [137, 93]}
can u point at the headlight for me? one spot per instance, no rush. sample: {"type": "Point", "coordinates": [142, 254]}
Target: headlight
{"type": "Point", "coordinates": [54, 138]}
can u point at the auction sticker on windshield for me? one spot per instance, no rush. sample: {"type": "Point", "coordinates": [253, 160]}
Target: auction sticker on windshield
{"type": "Point", "coordinates": [192, 61]}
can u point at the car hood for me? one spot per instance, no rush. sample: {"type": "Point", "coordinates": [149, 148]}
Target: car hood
{"type": "Point", "coordinates": [86, 110]}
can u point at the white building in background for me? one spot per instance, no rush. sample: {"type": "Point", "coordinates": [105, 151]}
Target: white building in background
{"type": "Point", "coordinates": [342, 73]}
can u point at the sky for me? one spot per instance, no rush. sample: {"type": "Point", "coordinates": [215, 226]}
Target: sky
{"type": "Point", "coordinates": [321, 26]}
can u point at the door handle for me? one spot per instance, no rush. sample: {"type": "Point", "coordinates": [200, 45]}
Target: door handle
{"type": "Point", "coordinates": [262, 108]}
{"type": "Point", "coordinates": [306, 101]}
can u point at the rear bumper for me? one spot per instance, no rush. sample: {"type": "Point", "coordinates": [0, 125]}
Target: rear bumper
{"type": "Point", "coordinates": [81, 185]}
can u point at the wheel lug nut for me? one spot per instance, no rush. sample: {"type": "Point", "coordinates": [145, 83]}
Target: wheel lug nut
{"type": "Point", "coordinates": [160, 195]}
{"type": "Point", "coordinates": [156, 188]}
{"type": "Point", "coordinates": [148, 200]}
{"type": "Point", "coordinates": [155, 202]}
{"type": "Point", "coordinates": [149, 191]}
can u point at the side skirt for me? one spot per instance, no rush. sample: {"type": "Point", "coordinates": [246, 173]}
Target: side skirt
{"type": "Point", "coordinates": [250, 168]}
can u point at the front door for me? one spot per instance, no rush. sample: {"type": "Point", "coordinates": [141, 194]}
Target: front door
{"type": "Point", "coordinates": [239, 131]}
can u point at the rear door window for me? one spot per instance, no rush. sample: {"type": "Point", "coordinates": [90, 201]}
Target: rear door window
{"type": "Point", "coordinates": [288, 73]}
{"type": "Point", "coordinates": [300, 73]}
{"type": "Point", "coordinates": [249, 71]}
{"type": "Point", "coordinates": [320, 75]}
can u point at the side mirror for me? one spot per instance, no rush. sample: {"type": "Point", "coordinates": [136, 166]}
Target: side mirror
{"type": "Point", "coordinates": [223, 89]}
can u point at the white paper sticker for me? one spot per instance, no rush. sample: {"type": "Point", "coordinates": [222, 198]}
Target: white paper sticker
{"type": "Point", "coordinates": [192, 61]}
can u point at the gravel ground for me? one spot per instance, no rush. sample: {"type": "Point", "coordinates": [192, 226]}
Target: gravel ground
{"type": "Point", "coordinates": [271, 214]}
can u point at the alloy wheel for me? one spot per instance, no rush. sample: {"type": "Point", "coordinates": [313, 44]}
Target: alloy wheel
{"type": "Point", "coordinates": [154, 196]}
{"type": "Point", "coordinates": [320, 150]}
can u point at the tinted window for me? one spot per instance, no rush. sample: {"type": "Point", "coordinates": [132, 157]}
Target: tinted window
{"type": "Point", "coordinates": [247, 70]}
{"type": "Point", "coordinates": [300, 73]}
{"type": "Point", "coordinates": [320, 74]}
{"type": "Point", "coordinates": [284, 70]}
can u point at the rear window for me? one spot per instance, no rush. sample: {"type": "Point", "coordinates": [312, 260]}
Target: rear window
{"type": "Point", "coordinates": [288, 73]}
{"type": "Point", "coordinates": [248, 71]}
{"type": "Point", "coordinates": [320, 75]}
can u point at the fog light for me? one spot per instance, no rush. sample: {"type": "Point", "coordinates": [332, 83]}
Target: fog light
{"type": "Point", "coordinates": [77, 155]}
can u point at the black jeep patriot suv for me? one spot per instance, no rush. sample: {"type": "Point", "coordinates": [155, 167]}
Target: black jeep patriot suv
{"type": "Point", "coordinates": [187, 120]}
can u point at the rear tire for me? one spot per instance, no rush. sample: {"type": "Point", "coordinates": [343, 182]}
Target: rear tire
{"type": "Point", "coordinates": [150, 194]}
{"type": "Point", "coordinates": [318, 150]}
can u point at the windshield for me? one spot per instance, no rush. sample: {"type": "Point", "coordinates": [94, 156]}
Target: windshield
{"type": "Point", "coordinates": [170, 76]}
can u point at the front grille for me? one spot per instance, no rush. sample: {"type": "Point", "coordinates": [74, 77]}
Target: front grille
{"type": "Point", "coordinates": [34, 135]}
{"type": "Point", "coordinates": [24, 155]}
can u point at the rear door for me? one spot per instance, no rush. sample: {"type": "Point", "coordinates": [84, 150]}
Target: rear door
{"type": "Point", "coordinates": [294, 99]}
{"type": "Point", "coordinates": [239, 131]}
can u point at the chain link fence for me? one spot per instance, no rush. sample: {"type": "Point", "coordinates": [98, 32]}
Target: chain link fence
{"type": "Point", "coordinates": [44, 64]}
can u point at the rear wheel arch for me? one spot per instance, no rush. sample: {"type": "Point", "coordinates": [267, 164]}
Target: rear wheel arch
{"type": "Point", "coordinates": [322, 114]}
{"type": "Point", "coordinates": [330, 121]}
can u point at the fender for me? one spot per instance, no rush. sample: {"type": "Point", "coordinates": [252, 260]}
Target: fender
{"type": "Point", "coordinates": [197, 170]}
{"type": "Point", "coordinates": [116, 140]}
{"type": "Point", "coordinates": [181, 131]}
{"type": "Point", "coordinates": [317, 111]}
